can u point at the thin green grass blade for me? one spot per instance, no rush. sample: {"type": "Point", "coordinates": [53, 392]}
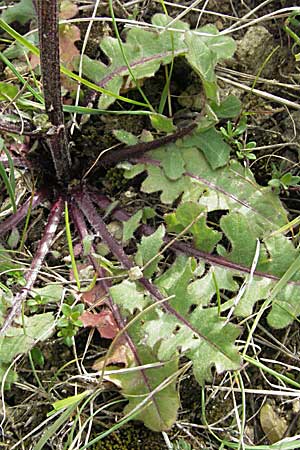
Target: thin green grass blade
{"type": "Point", "coordinates": [243, 412]}
{"type": "Point", "coordinates": [280, 445]}
{"type": "Point", "coordinates": [24, 232]}
{"type": "Point", "coordinates": [112, 14]}
{"type": "Point", "coordinates": [165, 92]}
{"type": "Point", "coordinates": [55, 378]}
{"type": "Point", "coordinates": [34, 78]}
{"type": "Point", "coordinates": [215, 281]}
{"type": "Point", "coordinates": [86, 110]}
{"type": "Point", "coordinates": [22, 80]}
{"type": "Point", "coordinates": [287, 227]}
{"type": "Point", "coordinates": [19, 38]}
{"type": "Point", "coordinates": [70, 401]}
{"type": "Point", "coordinates": [54, 427]}
{"type": "Point", "coordinates": [34, 372]}
{"type": "Point", "coordinates": [9, 187]}
{"type": "Point", "coordinates": [295, 267]}
{"type": "Point", "coordinates": [279, 376]}
{"type": "Point", "coordinates": [263, 65]}
{"type": "Point", "coordinates": [70, 245]}
{"type": "Point", "coordinates": [31, 104]}
{"type": "Point", "coordinates": [64, 70]}
{"type": "Point", "coordinates": [90, 418]}
{"type": "Point", "coordinates": [96, 88]}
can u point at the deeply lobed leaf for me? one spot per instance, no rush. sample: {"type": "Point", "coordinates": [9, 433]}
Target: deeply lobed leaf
{"type": "Point", "coordinates": [146, 50]}
{"type": "Point", "coordinates": [249, 213]}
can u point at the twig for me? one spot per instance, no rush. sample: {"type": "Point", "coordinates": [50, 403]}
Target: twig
{"type": "Point", "coordinates": [11, 127]}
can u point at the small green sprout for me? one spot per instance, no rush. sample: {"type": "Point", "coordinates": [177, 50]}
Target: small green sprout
{"type": "Point", "coordinates": [233, 134]}
{"type": "Point", "coordinates": [282, 181]}
{"type": "Point", "coordinates": [69, 324]}
{"type": "Point", "coordinates": [292, 28]}
{"type": "Point", "coordinates": [181, 444]}
{"type": "Point", "coordinates": [15, 277]}
{"type": "Point", "coordinates": [35, 303]}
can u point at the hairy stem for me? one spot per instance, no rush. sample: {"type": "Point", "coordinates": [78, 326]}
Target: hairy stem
{"type": "Point", "coordinates": [35, 266]}
{"type": "Point", "coordinates": [80, 225]}
{"type": "Point", "coordinates": [50, 67]}
{"type": "Point", "coordinates": [139, 149]}
{"type": "Point", "coordinates": [23, 128]}
{"type": "Point", "coordinates": [21, 213]}
{"type": "Point", "coordinates": [83, 232]}
{"type": "Point", "coordinates": [183, 247]}
{"type": "Point", "coordinates": [99, 226]}
{"type": "Point", "coordinates": [17, 162]}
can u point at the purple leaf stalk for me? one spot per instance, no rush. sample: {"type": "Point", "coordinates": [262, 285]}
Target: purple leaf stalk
{"type": "Point", "coordinates": [80, 225]}
{"type": "Point", "coordinates": [36, 264]}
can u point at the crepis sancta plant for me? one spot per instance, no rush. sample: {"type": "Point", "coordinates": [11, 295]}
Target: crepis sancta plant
{"type": "Point", "coordinates": [189, 304]}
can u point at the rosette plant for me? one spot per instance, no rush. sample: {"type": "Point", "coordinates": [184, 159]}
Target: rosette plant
{"type": "Point", "coordinates": [185, 283]}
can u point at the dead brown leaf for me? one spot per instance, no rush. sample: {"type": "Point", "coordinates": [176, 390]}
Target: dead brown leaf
{"type": "Point", "coordinates": [121, 356]}
{"type": "Point", "coordinates": [68, 35]}
{"type": "Point", "coordinates": [68, 9]}
{"type": "Point", "coordinates": [94, 296]}
{"type": "Point", "coordinates": [103, 321]}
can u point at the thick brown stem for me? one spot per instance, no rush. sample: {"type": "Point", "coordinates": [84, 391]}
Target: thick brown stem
{"type": "Point", "coordinates": [50, 67]}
